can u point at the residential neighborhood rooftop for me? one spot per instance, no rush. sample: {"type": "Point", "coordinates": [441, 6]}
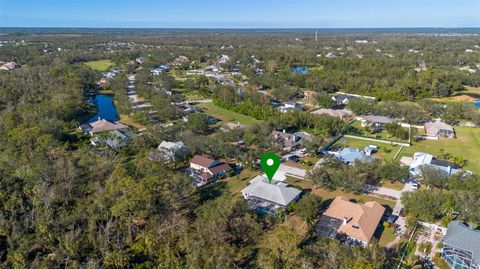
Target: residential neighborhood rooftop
{"type": "Point", "coordinates": [359, 221]}
{"type": "Point", "coordinates": [278, 194]}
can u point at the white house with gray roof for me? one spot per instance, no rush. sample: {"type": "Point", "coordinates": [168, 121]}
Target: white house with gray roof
{"type": "Point", "coordinates": [461, 246]}
{"type": "Point", "coordinates": [171, 150]}
{"type": "Point", "coordinates": [267, 198]}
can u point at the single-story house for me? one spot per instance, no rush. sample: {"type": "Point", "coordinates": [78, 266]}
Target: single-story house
{"type": "Point", "coordinates": [170, 150]}
{"type": "Point", "coordinates": [439, 129]}
{"type": "Point", "coordinates": [376, 122]}
{"type": "Point", "coordinates": [343, 99]}
{"type": "Point", "coordinates": [337, 113]}
{"type": "Point", "coordinates": [267, 198]}
{"type": "Point", "coordinates": [357, 222]}
{"type": "Point", "coordinates": [118, 138]}
{"type": "Point", "coordinates": [290, 106]}
{"type": "Point", "coordinates": [102, 125]}
{"type": "Point", "coordinates": [286, 140]}
{"type": "Point", "coordinates": [182, 59]}
{"type": "Point", "coordinates": [350, 155]}
{"type": "Point", "coordinates": [461, 246]}
{"type": "Point", "coordinates": [207, 168]}
{"type": "Point", "coordinates": [8, 66]}
{"type": "Point", "coordinates": [160, 69]}
{"type": "Point", "coordinates": [230, 126]}
{"type": "Point", "coordinates": [421, 159]}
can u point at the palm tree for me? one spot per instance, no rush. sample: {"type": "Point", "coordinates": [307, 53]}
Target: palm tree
{"type": "Point", "coordinates": [411, 262]}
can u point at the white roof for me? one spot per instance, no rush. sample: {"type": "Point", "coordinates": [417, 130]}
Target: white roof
{"type": "Point", "coordinates": [171, 145]}
{"type": "Point", "coordinates": [420, 158]}
{"type": "Point", "coordinates": [278, 194]}
{"type": "Point", "coordinates": [279, 176]}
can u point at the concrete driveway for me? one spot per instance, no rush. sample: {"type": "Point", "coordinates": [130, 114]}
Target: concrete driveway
{"type": "Point", "coordinates": [292, 171]}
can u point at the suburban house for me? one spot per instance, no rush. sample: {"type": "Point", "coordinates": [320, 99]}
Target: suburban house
{"type": "Point", "coordinates": [343, 99]}
{"type": "Point", "coordinates": [439, 129]}
{"type": "Point", "coordinates": [376, 122]}
{"type": "Point", "coordinates": [223, 59]}
{"type": "Point", "coordinates": [118, 138]}
{"type": "Point", "coordinates": [8, 66]}
{"type": "Point", "coordinates": [350, 155]}
{"type": "Point", "coordinates": [230, 126]}
{"type": "Point", "coordinates": [421, 159]}
{"type": "Point", "coordinates": [171, 150]}
{"type": "Point", "coordinates": [461, 246]}
{"type": "Point", "coordinates": [160, 69]}
{"type": "Point", "coordinates": [213, 68]}
{"type": "Point", "coordinates": [182, 59]}
{"type": "Point", "coordinates": [354, 223]}
{"type": "Point", "coordinates": [267, 198]}
{"type": "Point", "coordinates": [205, 168]}
{"type": "Point", "coordinates": [337, 113]}
{"type": "Point", "coordinates": [290, 106]}
{"type": "Point", "coordinates": [113, 134]}
{"type": "Point", "coordinates": [102, 125]}
{"type": "Point", "coordinates": [286, 140]}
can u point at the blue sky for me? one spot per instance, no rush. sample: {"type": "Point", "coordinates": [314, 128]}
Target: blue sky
{"type": "Point", "coordinates": [240, 13]}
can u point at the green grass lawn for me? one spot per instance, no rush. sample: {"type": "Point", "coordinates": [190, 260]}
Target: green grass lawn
{"type": "Point", "coordinates": [385, 235]}
{"type": "Point", "coordinates": [393, 185]}
{"type": "Point", "coordinates": [384, 135]}
{"type": "Point", "coordinates": [190, 95]}
{"type": "Point", "coordinates": [227, 115]}
{"type": "Point", "coordinates": [230, 187]}
{"type": "Point", "coordinates": [100, 65]}
{"type": "Point", "coordinates": [467, 145]}
{"type": "Point", "coordinates": [385, 151]}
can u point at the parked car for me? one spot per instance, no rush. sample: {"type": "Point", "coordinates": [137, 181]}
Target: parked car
{"type": "Point", "coordinates": [294, 158]}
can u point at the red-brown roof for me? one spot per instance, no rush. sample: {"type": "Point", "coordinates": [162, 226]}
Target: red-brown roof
{"type": "Point", "coordinates": [202, 161]}
{"type": "Point", "coordinates": [362, 220]}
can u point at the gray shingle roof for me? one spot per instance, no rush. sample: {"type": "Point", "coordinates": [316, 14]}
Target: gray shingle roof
{"type": "Point", "coordinates": [278, 194]}
{"type": "Point", "coordinates": [461, 236]}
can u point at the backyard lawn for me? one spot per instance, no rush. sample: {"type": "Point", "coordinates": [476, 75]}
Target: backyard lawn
{"type": "Point", "coordinates": [385, 235]}
{"type": "Point", "coordinates": [467, 145]}
{"type": "Point", "coordinates": [227, 115]}
{"type": "Point", "coordinates": [384, 135]}
{"type": "Point", "coordinates": [100, 65]}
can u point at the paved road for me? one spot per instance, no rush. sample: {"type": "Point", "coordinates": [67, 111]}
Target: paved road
{"type": "Point", "coordinates": [200, 101]}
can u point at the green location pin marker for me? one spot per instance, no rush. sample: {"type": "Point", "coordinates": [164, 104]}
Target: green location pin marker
{"type": "Point", "coordinates": [270, 163]}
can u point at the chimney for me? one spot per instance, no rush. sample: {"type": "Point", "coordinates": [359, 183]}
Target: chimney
{"type": "Point", "coordinates": [98, 118]}
{"type": "Point", "coordinates": [283, 130]}
{"type": "Point", "coordinates": [345, 219]}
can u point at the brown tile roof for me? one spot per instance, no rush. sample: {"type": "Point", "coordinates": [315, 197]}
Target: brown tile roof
{"type": "Point", "coordinates": [105, 125]}
{"type": "Point", "coordinates": [202, 161]}
{"type": "Point", "coordinates": [362, 220]}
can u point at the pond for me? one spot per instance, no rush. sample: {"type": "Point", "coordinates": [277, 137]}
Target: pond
{"type": "Point", "coordinates": [477, 104]}
{"type": "Point", "coordinates": [105, 107]}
